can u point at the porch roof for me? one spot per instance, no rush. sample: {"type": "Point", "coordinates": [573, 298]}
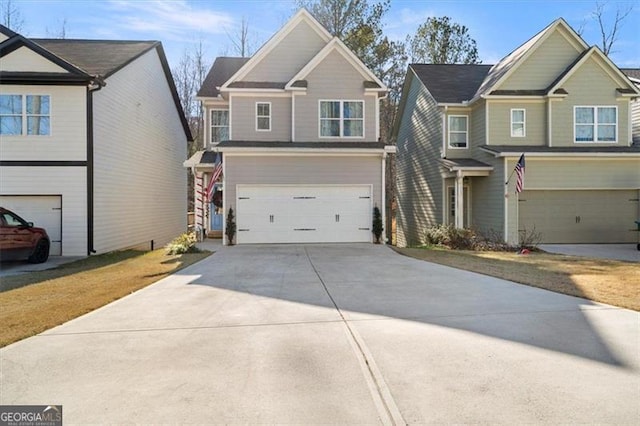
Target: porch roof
{"type": "Point", "coordinates": [584, 149]}
{"type": "Point", "coordinates": [465, 164]}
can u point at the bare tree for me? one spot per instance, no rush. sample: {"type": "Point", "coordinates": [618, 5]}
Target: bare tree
{"type": "Point", "coordinates": [61, 31]}
{"type": "Point", "coordinates": [11, 16]}
{"type": "Point", "coordinates": [243, 44]}
{"type": "Point", "coordinates": [609, 32]}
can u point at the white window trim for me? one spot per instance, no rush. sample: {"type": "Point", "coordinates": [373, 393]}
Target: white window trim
{"type": "Point", "coordinates": [523, 122]}
{"type": "Point", "coordinates": [341, 101]}
{"type": "Point", "coordinates": [263, 116]}
{"type": "Point", "coordinates": [449, 132]}
{"type": "Point", "coordinates": [23, 114]}
{"type": "Point", "coordinates": [211, 126]}
{"type": "Point", "coordinates": [595, 124]}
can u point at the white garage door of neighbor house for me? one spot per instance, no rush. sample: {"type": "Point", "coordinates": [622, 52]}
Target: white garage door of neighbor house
{"type": "Point", "coordinates": [303, 214]}
{"type": "Point", "coordinates": [45, 211]}
{"type": "Point", "coordinates": [585, 216]}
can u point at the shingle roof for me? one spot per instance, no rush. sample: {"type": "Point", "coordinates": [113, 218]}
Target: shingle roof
{"type": "Point", "coordinates": [222, 70]}
{"type": "Point", "coordinates": [285, 144]}
{"type": "Point", "coordinates": [97, 57]}
{"type": "Point", "coordinates": [631, 72]}
{"type": "Point", "coordinates": [450, 83]}
{"type": "Point", "coordinates": [498, 149]}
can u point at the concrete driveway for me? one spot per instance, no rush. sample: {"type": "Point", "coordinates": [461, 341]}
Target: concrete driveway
{"type": "Point", "coordinates": [625, 252]}
{"type": "Point", "coordinates": [338, 334]}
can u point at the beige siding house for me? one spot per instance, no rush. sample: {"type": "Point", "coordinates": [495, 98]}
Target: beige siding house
{"type": "Point", "coordinates": [295, 129]}
{"type": "Point", "coordinates": [92, 142]}
{"type": "Point", "coordinates": [561, 105]}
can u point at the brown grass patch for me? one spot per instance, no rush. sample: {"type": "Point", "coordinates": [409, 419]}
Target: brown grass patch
{"type": "Point", "coordinates": [55, 296]}
{"type": "Point", "coordinates": [608, 281]}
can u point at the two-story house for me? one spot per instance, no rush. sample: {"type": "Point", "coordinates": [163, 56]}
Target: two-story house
{"type": "Point", "coordinates": [564, 105]}
{"type": "Point", "coordinates": [297, 129]}
{"type": "Point", "coordinates": [92, 140]}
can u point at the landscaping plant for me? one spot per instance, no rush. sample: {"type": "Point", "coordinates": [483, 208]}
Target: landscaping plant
{"type": "Point", "coordinates": [185, 243]}
{"type": "Point", "coordinates": [230, 230]}
{"type": "Point", "coordinates": [377, 224]}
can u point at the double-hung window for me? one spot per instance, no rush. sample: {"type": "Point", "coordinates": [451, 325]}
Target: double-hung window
{"type": "Point", "coordinates": [458, 131]}
{"type": "Point", "coordinates": [25, 115]}
{"type": "Point", "coordinates": [596, 123]}
{"type": "Point", "coordinates": [219, 125]}
{"type": "Point", "coordinates": [342, 119]}
{"type": "Point", "coordinates": [518, 128]}
{"type": "Point", "coordinates": [263, 116]}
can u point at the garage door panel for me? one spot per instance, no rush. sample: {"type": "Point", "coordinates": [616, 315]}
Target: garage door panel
{"type": "Point", "coordinates": [45, 211]}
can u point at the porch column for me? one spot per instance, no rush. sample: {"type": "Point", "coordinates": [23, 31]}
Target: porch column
{"type": "Point", "coordinates": [459, 204]}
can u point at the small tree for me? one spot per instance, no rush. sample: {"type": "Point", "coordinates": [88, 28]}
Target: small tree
{"type": "Point", "coordinates": [377, 224]}
{"type": "Point", "coordinates": [231, 226]}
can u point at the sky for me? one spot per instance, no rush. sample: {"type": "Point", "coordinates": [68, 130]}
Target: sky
{"type": "Point", "coordinates": [498, 26]}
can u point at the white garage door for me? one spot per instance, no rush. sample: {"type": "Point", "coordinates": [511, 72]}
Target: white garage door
{"type": "Point", "coordinates": [45, 211]}
{"type": "Point", "coordinates": [303, 214]}
{"type": "Point", "coordinates": [580, 216]}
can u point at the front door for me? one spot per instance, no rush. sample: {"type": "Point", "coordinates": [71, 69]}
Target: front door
{"type": "Point", "coordinates": [451, 206]}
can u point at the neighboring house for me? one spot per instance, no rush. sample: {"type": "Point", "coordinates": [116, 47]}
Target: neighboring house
{"type": "Point", "coordinates": [297, 126]}
{"type": "Point", "coordinates": [634, 76]}
{"type": "Point", "coordinates": [92, 140]}
{"type": "Point", "coordinates": [561, 103]}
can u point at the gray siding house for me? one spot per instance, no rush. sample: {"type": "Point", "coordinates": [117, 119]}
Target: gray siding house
{"type": "Point", "coordinates": [565, 106]}
{"type": "Point", "coordinates": [296, 128]}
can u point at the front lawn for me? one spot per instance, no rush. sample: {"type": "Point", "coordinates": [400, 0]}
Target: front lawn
{"type": "Point", "coordinates": [55, 296]}
{"type": "Point", "coordinates": [608, 281]}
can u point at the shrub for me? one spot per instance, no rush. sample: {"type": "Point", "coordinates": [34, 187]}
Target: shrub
{"type": "Point", "coordinates": [230, 229]}
{"type": "Point", "coordinates": [529, 239]}
{"type": "Point", "coordinates": [185, 243]}
{"type": "Point", "coordinates": [377, 224]}
{"type": "Point", "coordinates": [468, 239]}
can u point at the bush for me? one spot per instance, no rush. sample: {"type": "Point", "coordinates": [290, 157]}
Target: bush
{"type": "Point", "coordinates": [468, 239]}
{"type": "Point", "coordinates": [185, 243]}
{"type": "Point", "coordinates": [230, 226]}
{"type": "Point", "coordinates": [377, 224]}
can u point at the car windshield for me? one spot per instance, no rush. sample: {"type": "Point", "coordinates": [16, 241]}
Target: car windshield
{"type": "Point", "coordinates": [11, 219]}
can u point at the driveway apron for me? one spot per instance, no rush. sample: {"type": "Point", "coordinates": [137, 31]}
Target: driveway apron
{"type": "Point", "coordinates": [333, 334]}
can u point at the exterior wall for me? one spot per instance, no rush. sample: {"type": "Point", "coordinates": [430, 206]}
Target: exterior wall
{"type": "Point", "coordinates": [635, 121]}
{"type": "Point", "coordinates": [70, 183]}
{"type": "Point", "coordinates": [244, 118]}
{"type": "Point", "coordinates": [25, 59]}
{"type": "Point", "coordinates": [535, 123]}
{"type": "Point", "coordinates": [289, 56]}
{"type": "Point", "coordinates": [589, 86]}
{"type": "Point", "coordinates": [300, 170]}
{"type": "Point", "coordinates": [418, 177]}
{"type": "Point", "coordinates": [459, 152]}
{"type": "Point", "coordinates": [487, 198]}
{"type": "Point", "coordinates": [140, 184]}
{"type": "Point", "coordinates": [68, 117]}
{"type": "Point", "coordinates": [478, 125]}
{"type": "Point", "coordinates": [573, 173]}
{"type": "Point", "coordinates": [544, 65]}
{"type": "Point", "coordinates": [333, 79]}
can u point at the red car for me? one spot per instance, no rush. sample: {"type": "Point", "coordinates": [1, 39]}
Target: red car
{"type": "Point", "coordinates": [19, 239]}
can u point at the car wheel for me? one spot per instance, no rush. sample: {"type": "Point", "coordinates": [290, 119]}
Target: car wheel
{"type": "Point", "coordinates": [41, 252]}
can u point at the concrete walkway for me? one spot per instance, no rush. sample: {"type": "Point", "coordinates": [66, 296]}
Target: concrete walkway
{"type": "Point", "coordinates": [335, 334]}
{"type": "Point", "coordinates": [626, 252]}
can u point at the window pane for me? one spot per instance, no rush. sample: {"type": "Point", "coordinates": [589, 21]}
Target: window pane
{"type": "Point", "coordinates": [458, 124]}
{"type": "Point", "coordinates": [329, 109]}
{"type": "Point", "coordinates": [10, 125]}
{"type": "Point", "coordinates": [219, 118]}
{"type": "Point", "coordinates": [584, 115]}
{"type": "Point", "coordinates": [584, 132]}
{"type": "Point", "coordinates": [37, 125]}
{"type": "Point", "coordinates": [329, 128]}
{"type": "Point", "coordinates": [263, 109]}
{"type": "Point", "coordinates": [517, 129]}
{"type": "Point", "coordinates": [607, 133]}
{"type": "Point", "coordinates": [353, 110]}
{"type": "Point", "coordinates": [353, 128]}
{"type": "Point", "coordinates": [219, 134]}
{"type": "Point", "coordinates": [263, 123]}
{"type": "Point", "coordinates": [607, 115]}
{"type": "Point", "coordinates": [37, 104]}
{"type": "Point", "coordinates": [458, 140]}
{"type": "Point", "coordinates": [10, 104]}
{"type": "Point", "coordinates": [517, 116]}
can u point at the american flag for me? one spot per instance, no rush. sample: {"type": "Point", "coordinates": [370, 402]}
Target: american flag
{"type": "Point", "coordinates": [520, 174]}
{"type": "Point", "coordinates": [217, 171]}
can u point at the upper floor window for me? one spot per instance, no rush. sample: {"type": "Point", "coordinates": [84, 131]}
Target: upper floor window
{"type": "Point", "coordinates": [263, 116]}
{"type": "Point", "coordinates": [25, 115]}
{"type": "Point", "coordinates": [596, 123]}
{"type": "Point", "coordinates": [458, 131]}
{"type": "Point", "coordinates": [219, 125]}
{"type": "Point", "coordinates": [342, 119]}
{"type": "Point", "coordinates": [518, 128]}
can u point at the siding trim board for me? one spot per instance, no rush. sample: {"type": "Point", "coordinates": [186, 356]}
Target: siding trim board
{"type": "Point", "coordinates": [37, 163]}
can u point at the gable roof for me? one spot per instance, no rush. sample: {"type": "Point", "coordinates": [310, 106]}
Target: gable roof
{"type": "Point", "coordinates": [451, 83]}
{"type": "Point", "coordinates": [632, 73]}
{"type": "Point", "coordinates": [221, 70]}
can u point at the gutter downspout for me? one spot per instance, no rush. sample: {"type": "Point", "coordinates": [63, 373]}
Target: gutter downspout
{"type": "Point", "coordinates": [95, 85]}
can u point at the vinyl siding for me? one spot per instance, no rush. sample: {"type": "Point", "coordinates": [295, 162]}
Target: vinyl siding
{"type": "Point", "coordinates": [487, 198]}
{"type": "Point", "coordinates": [589, 86]}
{"type": "Point", "coordinates": [25, 59]}
{"type": "Point", "coordinates": [244, 119]}
{"type": "Point", "coordinates": [301, 170]}
{"type": "Point", "coordinates": [333, 79]}
{"type": "Point", "coordinates": [418, 176]}
{"type": "Point", "coordinates": [535, 123]}
{"type": "Point", "coordinates": [68, 138]}
{"type": "Point", "coordinates": [544, 65]}
{"type": "Point", "coordinates": [140, 184]}
{"type": "Point", "coordinates": [635, 121]}
{"type": "Point", "coordinates": [68, 182]}
{"type": "Point", "coordinates": [289, 56]}
{"type": "Point", "coordinates": [478, 125]}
